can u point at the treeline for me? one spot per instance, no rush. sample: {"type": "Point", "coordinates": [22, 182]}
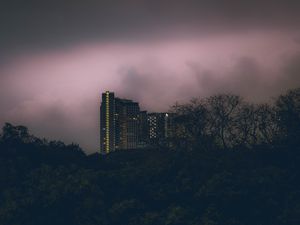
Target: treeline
{"type": "Point", "coordinates": [227, 121]}
{"type": "Point", "coordinates": [232, 163]}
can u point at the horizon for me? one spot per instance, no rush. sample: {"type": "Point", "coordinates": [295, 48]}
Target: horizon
{"type": "Point", "coordinates": [89, 152]}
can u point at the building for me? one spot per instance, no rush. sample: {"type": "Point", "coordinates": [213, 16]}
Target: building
{"type": "Point", "coordinates": [124, 126]}
{"type": "Point", "coordinates": [143, 130]}
{"type": "Point", "coordinates": [107, 123]}
{"type": "Point", "coordinates": [161, 128]}
{"type": "Point", "coordinates": [127, 129]}
{"type": "Point", "coordinates": [119, 123]}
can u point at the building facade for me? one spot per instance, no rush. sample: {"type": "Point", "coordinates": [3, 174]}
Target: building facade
{"type": "Point", "coordinates": [127, 132]}
{"type": "Point", "coordinates": [107, 123]}
{"type": "Point", "coordinates": [119, 123]}
{"type": "Point", "coordinates": [161, 128]}
{"type": "Point", "coordinates": [124, 126]}
{"type": "Point", "coordinates": [143, 130]}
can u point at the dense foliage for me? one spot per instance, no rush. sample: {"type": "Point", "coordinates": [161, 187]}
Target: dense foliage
{"type": "Point", "coordinates": [211, 177]}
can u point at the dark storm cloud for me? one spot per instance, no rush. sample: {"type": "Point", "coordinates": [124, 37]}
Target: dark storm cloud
{"type": "Point", "coordinates": [36, 24]}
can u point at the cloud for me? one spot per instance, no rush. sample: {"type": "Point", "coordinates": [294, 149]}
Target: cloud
{"type": "Point", "coordinates": [248, 78]}
{"type": "Point", "coordinates": [154, 89]}
{"type": "Point", "coordinates": [55, 121]}
{"type": "Point", "coordinates": [291, 72]}
{"type": "Point", "coordinates": [57, 93]}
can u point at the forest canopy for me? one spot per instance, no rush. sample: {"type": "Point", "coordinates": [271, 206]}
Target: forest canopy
{"type": "Point", "coordinates": [231, 162]}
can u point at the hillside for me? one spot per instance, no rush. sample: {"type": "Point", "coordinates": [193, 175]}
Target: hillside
{"type": "Point", "coordinates": [45, 182]}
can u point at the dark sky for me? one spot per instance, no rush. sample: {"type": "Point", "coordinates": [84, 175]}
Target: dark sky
{"type": "Point", "coordinates": [56, 57]}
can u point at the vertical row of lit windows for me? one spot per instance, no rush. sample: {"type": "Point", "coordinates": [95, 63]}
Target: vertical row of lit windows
{"type": "Point", "coordinates": [153, 126]}
{"type": "Point", "coordinates": [107, 123]}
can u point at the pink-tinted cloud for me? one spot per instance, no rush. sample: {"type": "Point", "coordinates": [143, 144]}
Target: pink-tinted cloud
{"type": "Point", "coordinates": [57, 92]}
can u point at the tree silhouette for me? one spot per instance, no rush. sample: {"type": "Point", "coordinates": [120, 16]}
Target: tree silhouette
{"type": "Point", "coordinates": [234, 163]}
{"type": "Point", "coordinates": [288, 113]}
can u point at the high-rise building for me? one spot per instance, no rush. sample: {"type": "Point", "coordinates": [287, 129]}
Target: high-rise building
{"type": "Point", "coordinates": [107, 123]}
{"type": "Point", "coordinates": [124, 126]}
{"type": "Point", "coordinates": [127, 132]}
{"type": "Point", "coordinates": [119, 123]}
